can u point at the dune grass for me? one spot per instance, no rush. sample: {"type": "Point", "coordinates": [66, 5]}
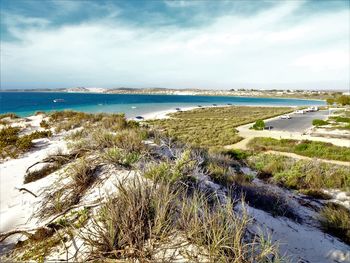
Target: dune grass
{"type": "Point", "coordinates": [312, 149]}
{"type": "Point", "coordinates": [335, 219]}
{"type": "Point", "coordinates": [67, 120]}
{"type": "Point", "coordinates": [301, 174]}
{"type": "Point", "coordinates": [209, 127]}
{"type": "Point", "coordinates": [143, 218]}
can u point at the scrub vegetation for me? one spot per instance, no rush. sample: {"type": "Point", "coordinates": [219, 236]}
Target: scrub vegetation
{"type": "Point", "coordinates": [312, 149]}
{"type": "Point", "coordinates": [301, 174]}
{"type": "Point", "coordinates": [179, 202]}
{"type": "Point", "coordinates": [210, 127]}
{"type": "Point", "coordinates": [12, 143]}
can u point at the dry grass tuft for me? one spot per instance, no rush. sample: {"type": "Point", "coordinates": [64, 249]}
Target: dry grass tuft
{"type": "Point", "coordinates": [335, 219]}
{"type": "Point", "coordinates": [131, 225]}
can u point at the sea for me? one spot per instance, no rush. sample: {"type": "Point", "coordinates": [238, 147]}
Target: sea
{"type": "Point", "coordinates": [27, 103]}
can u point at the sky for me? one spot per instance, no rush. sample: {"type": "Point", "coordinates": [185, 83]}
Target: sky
{"type": "Point", "coordinates": [221, 44]}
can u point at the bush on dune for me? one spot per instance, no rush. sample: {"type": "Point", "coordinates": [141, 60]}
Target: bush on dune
{"type": "Point", "coordinates": [12, 144]}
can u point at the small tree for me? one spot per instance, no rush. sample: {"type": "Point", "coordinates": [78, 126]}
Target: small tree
{"type": "Point", "coordinates": [330, 101]}
{"type": "Point", "coordinates": [259, 125]}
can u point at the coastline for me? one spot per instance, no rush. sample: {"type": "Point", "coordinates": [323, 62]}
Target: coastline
{"type": "Point", "coordinates": [165, 94]}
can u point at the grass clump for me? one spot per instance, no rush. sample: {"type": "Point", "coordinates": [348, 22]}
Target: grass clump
{"type": "Point", "coordinates": [82, 176]}
{"type": "Point", "coordinates": [172, 172]}
{"type": "Point", "coordinates": [221, 232]}
{"type": "Point", "coordinates": [312, 149]}
{"type": "Point", "coordinates": [212, 127]}
{"type": "Point", "coordinates": [319, 122]}
{"type": "Point", "coordinates": [136, 223]}
{"type": "Point", "coordinates": [81, 173]}
{"type": "Point", "coordinates": [11, 144]}
{"type": "Point", "coordinates": [121, 157]}
{"type": "Point", "coordinates": [67, 120]}
{"type": "Point", "coordinates": [41, 173]}
{"type": "Point", "coordinates": [130, 225]}
{"type": "Point", "coordinates": [301, 174]}
{"type": "Point", "coordinates": [335, 219]}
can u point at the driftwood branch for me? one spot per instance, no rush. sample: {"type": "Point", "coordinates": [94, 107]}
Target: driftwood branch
{"type": "Point", "coordinates": [55, 158]}
{"type": "Point", "coordinates": [26, 190]}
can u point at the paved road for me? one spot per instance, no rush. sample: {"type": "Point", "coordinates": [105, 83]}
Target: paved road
{"type": "Point", "coordinates": [298, 122]}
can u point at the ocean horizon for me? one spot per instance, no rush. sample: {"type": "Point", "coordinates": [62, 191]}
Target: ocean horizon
{"type": "Point", "coordinates": [27, 103]}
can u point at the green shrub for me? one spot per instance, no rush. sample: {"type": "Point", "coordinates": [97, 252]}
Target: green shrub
{"type": "Point", "coordinates": [259, 125]}
{"type": "Point", "coordinates": [8, 136]}
{"type": "Point", "coordinates": [318, 122]}
{"type": "Point", "coordinates": [120, 156]}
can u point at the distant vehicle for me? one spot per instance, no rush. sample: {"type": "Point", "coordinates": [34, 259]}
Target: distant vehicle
{"type": "Point", "coordinates": [229, 104]}
{"type": "Point", "coordinates": [215, 105]}
{"type": "Point", "coordinates": [284, 117]}
{"type": "Point", "coordinates": [58, 100]}
{"type": "Point", "coordinates": [312, 109]}
{"type": "Point", "coordinates": [178, 109]}
{"type": "Point", "coordinates": [139, 118]}
{"type": "Point", "coordinates": [199, 106]}
{"type": "Point", "coordinates": [300, 111]}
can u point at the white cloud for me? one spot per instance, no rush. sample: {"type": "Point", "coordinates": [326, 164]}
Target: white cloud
{"type": "Point", "coordinates": [260, 51]}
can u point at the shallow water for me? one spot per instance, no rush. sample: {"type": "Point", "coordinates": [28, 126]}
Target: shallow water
{"type": "Point", "coordinates": [27, 103]}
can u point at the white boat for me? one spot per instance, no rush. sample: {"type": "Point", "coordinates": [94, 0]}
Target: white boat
{"type": "Point", "coordinates": [58, 100]}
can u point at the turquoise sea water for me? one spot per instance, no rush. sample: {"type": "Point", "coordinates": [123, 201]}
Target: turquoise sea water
{"type": "Point", "coordinates": [27, 103]}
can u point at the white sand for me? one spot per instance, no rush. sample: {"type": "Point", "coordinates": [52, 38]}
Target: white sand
{"type": "Point", "coordinates": [164, 113]}
{"type": "Point", "coordinates": [17, 207]}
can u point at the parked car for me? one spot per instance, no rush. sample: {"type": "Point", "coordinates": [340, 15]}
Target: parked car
{"type": "Point", "coordinates": [300, 111]}
{"type": "Point", "coordinates": [287, 116]}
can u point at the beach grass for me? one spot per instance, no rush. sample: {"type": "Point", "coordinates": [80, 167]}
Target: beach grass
{"type": "Point", "coordinates": [301, 174]}
{"type": "Point", "coordinates": [215, 126]}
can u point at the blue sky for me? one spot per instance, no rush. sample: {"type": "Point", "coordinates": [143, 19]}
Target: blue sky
{"type": "Point", "coordinates": [175, 44]}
